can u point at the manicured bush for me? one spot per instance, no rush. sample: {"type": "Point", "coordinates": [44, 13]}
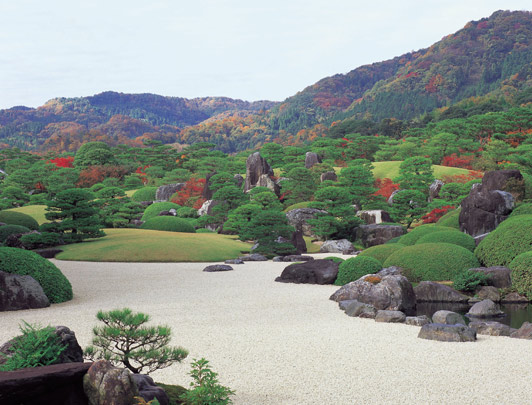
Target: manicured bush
{"type": "Point", "coordinates": [153, 210]}
{"type": "Point", "coordinates": [521, 267]}
{"type": "Point", "coordinates": [18, 218]}
{"type": "Point", "coordinates": [7, 230]}
{"type": "Point", "coordinates": [204, 230]}
{"type": "Point", "coordinates": [41, 240]}
{"type": "Point", "coordinates": [511, 238]}
{"type": "Point", "coordinates": [334, 259]}
{"type": "Point", "coordinates": [144, 194]}
{"type": "Point", "coordinates": [187, 212]}
{"type": "Point", "coordinates": [169, 224]}
{"type": "Point", "coordinates": [522, 209]}
{"type": "Point", "coordinates": [450, 219]}
{"type": "Point", "coordinates": [468, 281]}
{"type": "Point", "coordinates": [432, 261]}
{"type": "Point", "coordinates": [412, 237]}
{"type": "Point", "coordinates": [354, 268]}
{"type": "Point", "coordinates": [393, 240]}
{"type": "Point", "coordinates": [453, 237]}
{"type": "Point", "coordinates": [23, 262]}
{"type": "Point", "coordinates": [381, 252]}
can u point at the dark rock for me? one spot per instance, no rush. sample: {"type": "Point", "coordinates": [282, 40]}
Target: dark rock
{"type": "Point", "coordinates": [343, 305]}
{"type": "Point", "coordinates": [298, 219]}
{"type": "Point", "coordinates": [447, 333]}
{"type": "Point", "coordinates": [217, 267]}
{"type": "Point", "coordinates": [524, 332]}
{"type": "Point", "coordinates": [164, 193]}
{"type": "Point", "coordinates": [234, 261]}
{"type": "Point", "coordinates": [372, 235]}
{"type": "Point", "coordinates": [331, 176]}
{"type": "Point", "coordinates": [342, 246]}
{"type": "Point", "coordinates": [167, 213]}
{"type": "Point", "coordinates": [55, 384]}
{"type": "Point", "coordinates": [490, 328]}
{"type": "Point", "coordinates": [361, 310]}
{"type": "Point", "coordinates": [254, 257]}
{"type": "Point", "coordinates": [498, 276]}
{"type": "Point", "coordinates": [239, 180]}
{"type": "Point", "coordinates": [48, 253]}
{"type": "Point", "coordinates": [206, 194]}
{"type": "Point", "coordinates": [312, 272]}
{"type": "Point", "coordinates": [13, 240]}
{"type": "Point", "coordinates": [299, 242]}
{"type": "Point", "coordinates": [105, 384]}
{"type": "Point", "coordinates": [447, 318]}
{"type": "Point", "coordinates": [434, 190]}
{"type": "Point", "coordinates": [21, 292]}
{"type": "Point", "coordinates": [489, 293]}
{"type": "Point", "coordinates": [136, 222]}
{"type": "Point", "coordinates": [429, 291]}
{"type": "Point", "coordinates": [389, 271]}
{"type": "Point", "coordinates": [514, 298]}
{"type": "Point", "coordinates": [256, 166]}
{"type": "Point", "coordinates": [485, 309]}
{"type": "Point", "coordinates": [390, 316]}
{"type": "Point", "coordinates": [311, 159]}
{"type": "Point", "coordinates": [510, 181]}
{"type": "Point", "coordinates": [149, 390]}
{"type": "Point", "coordinates": [391, 293]}
{"type": "Point", "coordinates": [293, 258]}
{"type": "Point", "coordinates": [417, 320]}
{"type": "Point", "coordinates": [374, 217]}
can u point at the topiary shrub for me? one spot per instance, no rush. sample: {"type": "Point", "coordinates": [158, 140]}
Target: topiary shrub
{"type": "Point", "coordinates": [354, 268]}
{"type": "Point", "coordinates": [187, 212]}
{"type": "Point", "coordinates": [169, 224]}
{"type": "Point", "coordinates": [18, 218]}
{"type": "Point", "coordinates": [144, 194]}
{"type": "Point", "coordinates": [521, 267]}
{"type": "Point", "coordinates": [511, 238]}
{"type": "Point", "coordinates": [522, 209]}
{"type": "Point", "coordinates": [393, 240]}
{"type": "Point", "coordinates": [468, 281]}
{"type": "Point", "coordinates": [450, 219]}
{"type": "Point", "coordinates": [381, 252]}
{"type": "Point", "coordinates": [453, 237]}
{"type": "Point", "coordinates": [7, 230]}
{"type": "Point", "coordinates": [153, 210]}
{"type": "Point", "coordinates": [432, 261]}
{"type": "Point", "coordinates": [412, 237]}
{"type": "Point", "coordinates": [41, 240]}
{"type": "Point", "coordinates": [23, 262]}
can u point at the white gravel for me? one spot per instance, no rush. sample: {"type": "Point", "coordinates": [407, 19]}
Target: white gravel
{"type": "Point", "coordinates": [276, 343]}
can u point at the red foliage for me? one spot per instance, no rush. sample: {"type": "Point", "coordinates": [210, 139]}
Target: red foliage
{"type": "Point", "coordinates": [63, 161]}
{"type": "Point", "coordinates": [462, 178]}
{"type": "Point", "coordinates": [454, 160]}
{"type": "Point", "coordinates": [190, 195]}
{"type": "Point", "coordinates": [436, 214]}
{"type": "Point", "coordinates": [385, 187]}
{"type": "Point", "coordinates": [96, 174]}
{"type": "Point", "coordinates": [142, 174]}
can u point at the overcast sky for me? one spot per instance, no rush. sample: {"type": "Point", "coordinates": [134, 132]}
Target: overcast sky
{"type": "Point", "coordinates": [236, 48]}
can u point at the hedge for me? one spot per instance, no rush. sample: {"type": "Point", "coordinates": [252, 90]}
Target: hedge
{"type": "Point", "coordinates": [18, 218]}
{"type": "Point", "coordinates": [354, 268]}
{"type": "Point", "coordinates": [144, 194]}
{"type": "Point", "coordinates": [521, 268]}
{"type": "Point", "coordinates": [381, 252]}
{"type": "Point", "coordinates": [455, 238]}
{"type": "Point", "coordinates": [522, 209]}
{"type": "Point", "coordinates": [23, 262]}
{"type": "Point", "coordinates": [7, 230]}
{"type": "Point", "coordinates": [450, 219]}
{"type": "Point", "coordinates": [511, 238]}
{"type": "Point", "coordinates": [412, 237]}
{"type": "Point", "coordinates": [169, 224]}
{"type": "Point", "coordinates": [153, 210]}
{"type": "Point", "coordinates": [432, 261]}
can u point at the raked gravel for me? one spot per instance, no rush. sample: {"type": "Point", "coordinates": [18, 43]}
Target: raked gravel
{"type": "Point", "coordinates": [276, 343]}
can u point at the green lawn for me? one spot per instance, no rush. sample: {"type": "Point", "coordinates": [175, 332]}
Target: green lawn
{"type": "Point", "coordinates": [142, 245]}
{"type": "Point", "coordinates": [129, 193]}
{"type": "Point", "coordinates": [311, 247]}
{"type": "Point", "coordinates": [35, 211]}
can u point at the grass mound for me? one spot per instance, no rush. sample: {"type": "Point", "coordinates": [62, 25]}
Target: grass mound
{"type": "Point", "coordinates": [381, 252]}
{"type": "Point", "coordinates": [169, 224]}
{"type": "Point", "coordinates": [522, 209]}
{"type": "Point", "coordinates": [153, 210]}
{"type": "Point", "coordinates": [7, 230]}
{"type": "Point", "coordinates": [37, 212]}
{"type": "Point", "coordinates": [355, 267]}
{"type": "Point", "coordinates": [18, 218]}
{"type": "Point", "coordinates": [450, 219]}
{"type": "Point", "coordinates": [390, 170]}
{"type": "Point", "coordinates": [511, 238]}
{"type": "Point", "coordinates": [453, 237]}
{"type": "Point", "coordinates": [144, 194]}
{"type": "Point", "coordinates": [521, 268]}
{"type": "Point", "coordinates": [432, 261]}
{"type": "Point", "coordinates": [23, 262]}
{"type": "Point", "coordinates": [413, 236]}
{"type": "Point", "coordinates": [143, 245]}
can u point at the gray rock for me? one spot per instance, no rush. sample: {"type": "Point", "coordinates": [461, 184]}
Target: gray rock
{"type": "Point", "coordinates": [485, 309]}
{"type": "Point", "coordinates": [342, 246]}
{"type": "Point", "coordinates": [359, 309]}
{"type": "Point", "coordinates": [434, 189]}
{"type": "Point", "coordinates": [299, 242]}
{"type": "Point", "coordinates": [374, 217]}
{"type": "Point", "coordinates": [206, 208]}
{"type": "Point", "coordinates": [149, 390]}
{"type": "Point", "coordinates": [514, 298]}
{"type": "Point", "coordinates": [104, 384]}
{"type": "Point", "coordinates": [417, 320]}
{"type": "Point", "coordinates": [239, 180]}
{"type": "Point", "coordinates": [311, 272]}
{"type": "Point", "coordinates": [505, 180]}
{"type": "Point", "coordinates": [164, 193]}
{"type": "Point", "coordinates": [524, 332]}
{"type": "Point", "coordinates": [217, 267]}
{"type": "Point", "coordinates": [331, 176]}
{"type": "Point", "coordinates": [299, 217]}
{"type": "Point", "coordinates": [390, 199]}
{"type": "Point", "coordinates": [234, 261]}
{"type": "Point", "coordinates": [390, 271]}
{"type": "Point", "coordinates": [429, 291]}
{"type": "Point", "coordinates": [390, 316]}
{"type": "Point", "coordinates": [311, 159]}
{"type": "Point", "coordinates": [207, 193]}
{"type": "Point", "coordinates": [490, 328]}
{"type": "Point", "coordinates": [447, 333]}
{"type": "Point", "coordinates": [372, 235]}
{"type": "Point", "coordinates": [448, 318]}
{"type": "Point", "coordinates": [266, 181]}
{"type": "Point", "coordinates": [21, 292]}
{"type": "Point", "coordinates": [489, 293]}
{"type": "Point", "coordinates": [293, 258]}
{"type": "Point", "coordinates": [254, 257]}
{"type": "Point", "coordinates": [256, 166]}
{"type": "Point", "coordinates": [498, 276]}
{"type": "Point", "coordinates": [344, 304]}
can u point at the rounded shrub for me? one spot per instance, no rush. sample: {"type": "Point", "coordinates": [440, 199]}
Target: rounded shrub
{"type": "Point", "coordinates": [169, 224]}
{"type": "Point", "coordinates": [432, 261]}
{"type": "Point", "coordinates": [381, 252]}
{"type": "Point", "coordinates": [521, 267]}
{"type": "Point", "coordinates": [23, 262]}
{"type": "Point", "coordinates": [522, 209]}
{"type": "Point", "coordinates": [450, 219]}
{"type": "Point", "coordinates": [393, 240]}
{"type": "Point", "coordinates": [7, 230]}
{"type": "Point", "coordinates": [334, 259]}
{"type": "Point", "coordinates": [412, 237]}
{"type": "Point", "coordinates": [455, 238]}
{"type": "Point", "coordinates": [511, 238]}
{"type": "Point", "coordinates": [18, 218]}
{"type": "Point", "coordinates": [153, 210]}
{"type": "Point", "coordinates": [187, 212]}
{"type": "Point", "coordinates": [354, 268]}
{"type": "Point", "coordinates": [144, 194]}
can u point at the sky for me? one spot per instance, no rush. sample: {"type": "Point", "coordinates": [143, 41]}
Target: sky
{"type": "Point", "coordinates": [245, 49]}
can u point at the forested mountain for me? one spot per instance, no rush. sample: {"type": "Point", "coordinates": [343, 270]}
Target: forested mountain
{"type": "Point", "coordinates": [484, 67]}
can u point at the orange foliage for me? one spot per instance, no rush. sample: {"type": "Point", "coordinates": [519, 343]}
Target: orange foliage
{"type": "Point", "coordinates": [462, 178]}
{"type": "Point", "coordinates": [385, 187]}
{"type": "Point", "coordinates": [190, 195]}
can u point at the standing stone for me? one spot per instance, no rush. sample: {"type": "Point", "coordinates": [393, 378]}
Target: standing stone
{"type": "Point", "coordinates": [299, 242]}
{"type": "Point", "coordinates": [331, 176]}
{"type": "Point", "coordinates": [164, 193]}
{"type": "Point", "coordinates": [434, 190]}
{"type": "Point", "coordinates": [266, 181]}
{"type": "Point", "coordinates": [390, 199]}
{"type": "Point", "coordinates": [206, 208]}
{"type": "Point", "coordinates": [372, 217]}
{"type": "Point", "coordinates": [256, 166]}
{"type": "Point", "coordinates": [311, 159]}
{"type": "Point", "coordinates": [206, 194]}
{"type": "Point", "coordinates": [105, 384]}
{"type": "Point", "coordinates": [239, 180]}
{"type": "Point", "coordinates": [21, 292]}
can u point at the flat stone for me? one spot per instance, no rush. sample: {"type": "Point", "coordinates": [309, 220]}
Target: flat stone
{"type": "Point", "coordinates": [254, 257]}
{"type": "Point", "coordinates": [490, 328]}
{"type": "Point", "coordinates": [429, 291]}
{"type": "Point", "coordinates": [390, 316]}
{"type": "Point", "coordinates": [293, 258]}
{"type": "Point", "coordinates": [234, 261]}
{"type": "Point", "coordinates": [345, 303]}
{"type": "Point", "coordinates": [217, 267]}
{"type": "Point", "coordinates": [447, 318]}
{"type": "Point", "coordinates": [417, 320]}
{"type": "Point", "coordinates": [514, 298]}
{"type": "Point", "coordinates": [447, 333]}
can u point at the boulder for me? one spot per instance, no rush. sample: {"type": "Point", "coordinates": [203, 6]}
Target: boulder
{"type": "Point", "coordinates": [217, 267]}
{"type": "Point", "coordinates": [105, 384]}
{"type": "Point", "coordinates": [434, 189]}
{"type": "Point", "coordinates": [506, 180]}
{"type": "Point", "coordinates": [429, 291]}
{"type": "Point", "coordinates": [239, 180]}
{"type": "Point", "coordinates": [206, 208]}
{"type": "Point", "coordinates": [393, 292]}
{"type": "Point", "coordinates": [298, 219]}
{"type": "Point", "coordinates": [293, 258]}
{"type": "Point", "coordinates": [21, 292]}
{"type": "Point", "coordinates": [311, 272]}
{"type": "Point", "coordinates": [485, 309]}
{"type": "Point", "coordinates": [373, 217]}
{"type": "Point", "coordinates": [164, 193]}
{"type": "Point", "coordinates": [390, 316]}
{"type": "Point", "coordinates": [48, 253]}
{"type": "Point", "coordinates": [514, 298]}
{"type": "Point", "coordinates": [256, 166]}
{"type": "Point", "coordinates": [254, 257]}
{"type": "Point", "coordinates": [447, 318]}
{"type": "Point", "coordinates": [266, 181]}
{"type": "Point", "coordinates": [299, 242]}
{"type": "Point", "coordinates": [234, 261]}
{"type": "Point", "coordinates": [417, 320]}
{"type": "Point", "coordinates": [359, 309]}
{"type": "Point", "coordinates": [390, 271]}
{"type": "Point", "coordinates": [311, 159]}
{"type": "Point", "coordinates": [372, 235]}
{"type": "Point", "coordinates": [167, 213]}
{"type": "Point", "coordinates": [343, 305]}
{"type": "Point", "coordinates": [149, 390]}
{"type": "Point", "coordinates": [342, 246]}
{"type": "Point", "coordinates": [524, 332]}
{"type": "Point", "coordinates": [447, 333]}
{"type": "Point", "coordinates": [489, 293]}
{"type": "Point", "coordinates": [490, 328]}
{"type": "Point", "coordinates": [498, 276]}
{"type": "Point", "coordinates": [331, 176]}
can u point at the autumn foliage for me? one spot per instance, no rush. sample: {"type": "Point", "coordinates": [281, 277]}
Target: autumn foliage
{"type": "Point", "coordinates": [436, 214]}
{"type": "Point", "coordinates": [96, 174]}
{"type": "Point", "coordinates": [190, 195]}
{"type": "Point", "coordinates": [454, 160]}
{"type": "Point", "coordinates": [63, 161]}
{"type": "Point", "coordinates": [462, 178]}
{"type": "Point", "coordinates": [385, 187]}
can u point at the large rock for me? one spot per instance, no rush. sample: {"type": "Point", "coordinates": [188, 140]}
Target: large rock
{"type": "Point", "coordinates": [498, 276]}
{"type": "Point", "coordinates": [510, 181]}
{"type": "Point", "coordinates": [391, 293]}
{"type": "Point", "coordinates": [105, 384]}
{"type": "Point", "coordinates": [207, 193]}
{"type": "Point", "coordinates": [372, 235]}
{"type": "Point", "coordinates": [485, 309]}
{"type": "Point", "coordinates": [390, 316]}
{"type": "Point", "coordinates": [149, 390]}
{"type": "Point", "coordinates": [490, 328]}
{"type": "Point", "coordinates": [524, 332]}
{"type": "Point", "coordinates": [434, 189]}
{"type": "Point", "coordinates": [21, 292]}
{"type": "Point", "coordinates": [256, 166]}
{"type": "Point", "coordinates": [331, 176]}
{"type": "Point", "coordinates": [311, 272]}
{"type": "Point", "coordinates": [239, 180]}
{"type": "Point", "coordinates": [299, 217]}
{"type": "Point", "coordinates": [447, 318]}
{"type": "Point", "coordinates": [342, 246]}
{"type": "Point", "coordinates": [206, 208]}
{"type": "Point", "coordinates": [417, 320]}
{"type": "Point", "coordinates": [488, 292]}
{"type": "Point", "coordinates": [514, 298]}
{"type": "Point", "coordinates": [164, 193]}
{"type": "Point", "coordinates": [311, 159]}
{"type": "Point", "coordinates": [372, 217]}
{"type": "Point", "coordinates": [359, 309]}
{"type": "Point", "coordinates": [447, 333]}
{"type": "Point", "coordinates": [266, 181]}
{"type": "Point", "coordinates": [429, 291]}
{"type": "Point", "coordinates": [299, 242]}
{"type": "Point", "coordinates": [217, 267]}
